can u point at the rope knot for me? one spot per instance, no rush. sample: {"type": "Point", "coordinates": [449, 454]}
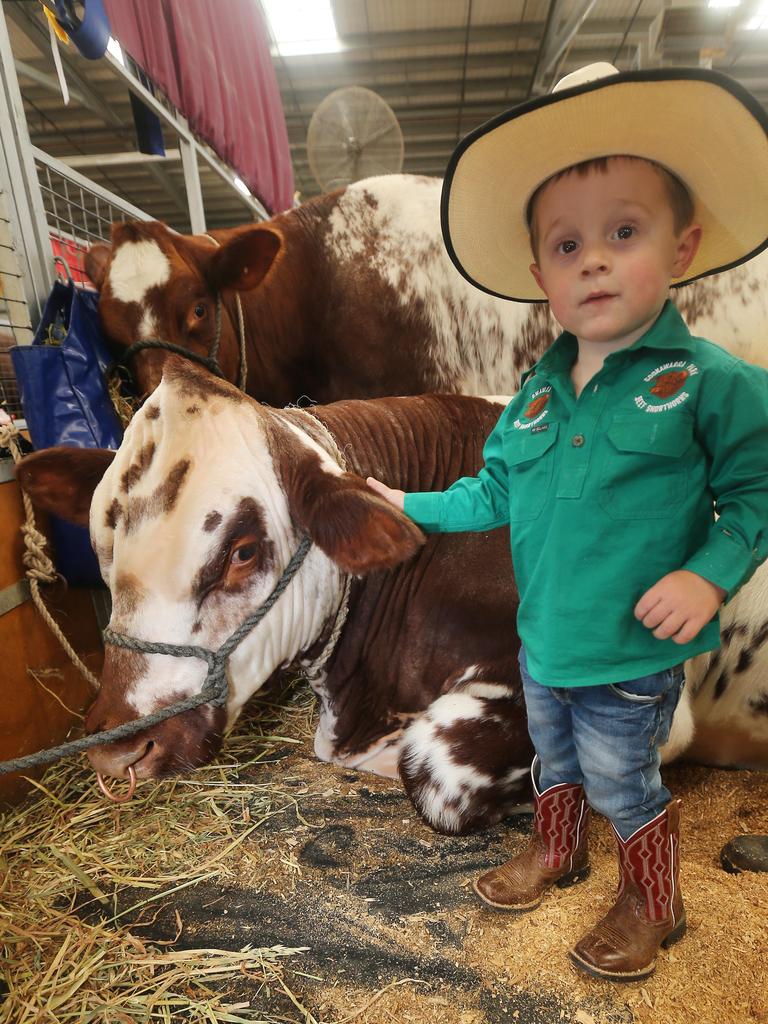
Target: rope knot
{"type": "Point", "coordinates": [35, 557]}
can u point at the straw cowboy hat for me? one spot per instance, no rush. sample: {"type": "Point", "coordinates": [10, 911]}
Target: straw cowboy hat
{"type": "Point", "coordinates": [699, 124]}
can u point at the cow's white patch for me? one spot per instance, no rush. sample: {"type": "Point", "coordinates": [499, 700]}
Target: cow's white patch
{"type": "Point", "coordinates": [469, 673]}
{"type": "Point", "coordinates": [327, 462]}
{"type": "Point", "coordinates": [147, 325]}
{"type": "Point", "coordinates": [515, 776]}
{"type": "Point", "coordinates": [454, 706]}
{"type": "Point", "coordinates": [136, 267]}
{"type": "Point", "coordinates": [491, 691]}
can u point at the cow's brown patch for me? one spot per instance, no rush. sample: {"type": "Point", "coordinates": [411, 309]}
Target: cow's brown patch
{"type": "Point", "coordinates": [122, 668]}
{"type": "Point", "coordinates": [212, 520]}
{"type": "Point", "coordinates": [735, 629]}
{"type": "Point", "coordinates": [247, 522]}
{"type": "Point", "coordinates": [759, 704]}
{"type": "Point", "coordinates": [138, 467]}
{"type": "Point", "coordinates": [535, 335]}
{"type": "Point", "coordinates": [191, 381]}
{"type": "Point", "coordinates": [127, 595]}
{"type": "Point", "coordinates": [113, 514]}
{"type": "Point", "coordinates": [161, 501]}
{"type": "Point", "coordinates": [152, 412]}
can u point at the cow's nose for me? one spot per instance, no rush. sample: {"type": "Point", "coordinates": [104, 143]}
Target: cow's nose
{"type": "Point", "coordinates": [114, 760]}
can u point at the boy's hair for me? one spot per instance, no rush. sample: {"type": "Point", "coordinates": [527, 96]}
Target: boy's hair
{"type": "Point", "coordinates": [679, 197]}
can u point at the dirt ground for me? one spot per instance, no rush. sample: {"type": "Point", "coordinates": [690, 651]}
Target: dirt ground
{"type": "Point", "coordinates": [391, 929]}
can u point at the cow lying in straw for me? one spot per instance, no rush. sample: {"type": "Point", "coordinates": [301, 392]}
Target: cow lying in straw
{"type": "Point", "coordinates": [198, 513]}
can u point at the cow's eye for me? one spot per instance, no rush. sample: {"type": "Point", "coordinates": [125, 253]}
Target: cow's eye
{"type": "Point", "coordinates": [199, 310]}
{"type": "Point", "coordinates": [244, 553]}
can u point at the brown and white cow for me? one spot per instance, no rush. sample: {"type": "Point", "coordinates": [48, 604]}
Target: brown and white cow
{"type": "Point", "coordinates": [352, 295]}
{"type": "Point", "coordinates": [194, 519]}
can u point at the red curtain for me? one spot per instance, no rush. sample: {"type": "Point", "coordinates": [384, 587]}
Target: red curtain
{"type": "Point", "coordinates": [212, 60]}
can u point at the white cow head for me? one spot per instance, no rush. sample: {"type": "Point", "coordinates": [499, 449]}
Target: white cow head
{"type": "Point", "coordinates": [193, 522]}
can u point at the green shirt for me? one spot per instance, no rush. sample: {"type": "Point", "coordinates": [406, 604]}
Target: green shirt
{"type": "Point", "coordinates": [607, 493]}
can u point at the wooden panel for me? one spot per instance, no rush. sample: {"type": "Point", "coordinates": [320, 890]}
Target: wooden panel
{"type": "Point", "coordinates": [30, 717]}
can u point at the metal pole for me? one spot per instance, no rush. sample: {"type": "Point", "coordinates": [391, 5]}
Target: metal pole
{"type": "Point", "coordinates": [27, 223]}
{"type": "Point", "coordinates": [192, 184]}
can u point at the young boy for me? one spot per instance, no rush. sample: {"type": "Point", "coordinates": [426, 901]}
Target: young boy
{"type": "Point", "coordinates": [609, 463]}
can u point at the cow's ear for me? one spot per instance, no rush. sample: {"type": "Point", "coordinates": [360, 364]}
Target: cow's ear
{"type": "Point", "coordinates": [96, 260]}
{"type": "Point", "coordinates": [355, 527]}
{"type": "Point", "coordinates": [244, 261]}
{"type": "Point", "coordinates": [62, 480]}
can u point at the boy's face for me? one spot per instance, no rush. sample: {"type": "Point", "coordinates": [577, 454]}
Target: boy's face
{"type": "Point", "coordinates": [608, 250]}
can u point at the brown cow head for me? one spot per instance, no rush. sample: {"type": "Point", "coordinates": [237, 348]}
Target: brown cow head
{"type": "Point", "coordinates": [194, 520]}
{"type": "Point", "coordinates": [157, 284]}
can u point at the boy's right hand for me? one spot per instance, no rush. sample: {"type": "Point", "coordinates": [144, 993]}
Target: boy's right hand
{"type": "Point", "coordinates": [396, 498]}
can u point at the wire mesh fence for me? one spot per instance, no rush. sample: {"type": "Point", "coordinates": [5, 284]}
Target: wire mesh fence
{"type": "Point", "coordinates": [78, 213]}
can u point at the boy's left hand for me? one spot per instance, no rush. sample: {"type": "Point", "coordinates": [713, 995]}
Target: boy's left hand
{"type": "Point", "coordinates": [679, 605]}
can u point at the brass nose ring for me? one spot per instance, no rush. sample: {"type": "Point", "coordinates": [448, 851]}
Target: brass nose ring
{"type": "Point", "coordinates": [113, 796]}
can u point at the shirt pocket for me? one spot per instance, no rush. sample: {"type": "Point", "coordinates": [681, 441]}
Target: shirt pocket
{"type": "Point", "coordinates": [644, 475]}
{"type": "Point", "coordinates": [530, 460]}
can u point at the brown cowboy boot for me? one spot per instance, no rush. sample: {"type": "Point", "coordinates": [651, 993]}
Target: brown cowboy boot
{"type": "Point", "coordinates": [557, 853]}
{"type": "Point", "coordinates": [648, 911]}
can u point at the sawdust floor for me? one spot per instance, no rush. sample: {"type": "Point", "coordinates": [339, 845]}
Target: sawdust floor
{"type": "Point", "coordinates": [348, 871]}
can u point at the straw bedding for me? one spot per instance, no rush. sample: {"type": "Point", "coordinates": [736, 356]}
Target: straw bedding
{"type": "Point", "coordinates": [274, 888]}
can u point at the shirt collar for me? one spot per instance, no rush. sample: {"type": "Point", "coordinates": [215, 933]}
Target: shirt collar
{"type": "Point", "coordinates": [668, 331]}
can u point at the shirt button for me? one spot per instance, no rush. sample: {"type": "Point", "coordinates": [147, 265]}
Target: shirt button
{"type": "Point", "coordinates": [577, 440]}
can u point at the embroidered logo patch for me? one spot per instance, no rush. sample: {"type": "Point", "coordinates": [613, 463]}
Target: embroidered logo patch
{"type": "Point", "coordinates": [669, 383]}
{"type": "Point", "coordinates": [536, 406]}
{"type": "Point", "coordinates": [536, 409]}
{"type": "Point", "coordinates": [666, 381]}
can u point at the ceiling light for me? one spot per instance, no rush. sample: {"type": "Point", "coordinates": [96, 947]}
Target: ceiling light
{"type": "Point", "coordinates": [760, 18]}
{"type": "Point", "coordinates": [302, 26]}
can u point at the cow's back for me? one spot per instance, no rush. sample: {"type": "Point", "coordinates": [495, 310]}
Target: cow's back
{"type": "Point", "coordinates": [398, 302]}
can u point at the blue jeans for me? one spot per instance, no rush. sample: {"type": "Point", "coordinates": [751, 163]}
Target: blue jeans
{"type": "Point", "coordinates": [607, 738]}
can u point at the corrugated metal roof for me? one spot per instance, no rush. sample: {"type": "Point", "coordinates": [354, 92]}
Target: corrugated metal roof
{"type": "Point", "coordinates": [443, 66]}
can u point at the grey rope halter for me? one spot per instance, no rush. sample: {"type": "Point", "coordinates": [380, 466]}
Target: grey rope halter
{"type": "Point", "coordinates": [214, 690]}
{"type": "Point", "coordinates": [210, 362]}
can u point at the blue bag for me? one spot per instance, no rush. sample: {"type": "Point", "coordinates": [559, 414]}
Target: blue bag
{"type": "Point", "coordinates": [65, 400]}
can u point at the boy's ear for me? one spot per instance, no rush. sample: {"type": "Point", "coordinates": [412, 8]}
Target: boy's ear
{"type": "Point", "coordinates": [687, 247]}
{"type": "Point", "coordinates": [534, 269]}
